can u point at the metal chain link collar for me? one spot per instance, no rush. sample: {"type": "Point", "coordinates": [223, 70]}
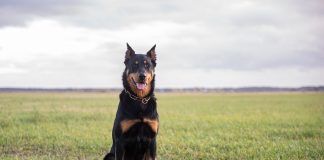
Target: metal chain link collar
{"type": "Point", "coordinates": [143, 100]}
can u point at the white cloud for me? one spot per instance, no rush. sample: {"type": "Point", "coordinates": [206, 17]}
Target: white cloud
{"type": "Point", "coordinates": [11, 68]}
{"type": "Point", "coordinates": [64, 55]}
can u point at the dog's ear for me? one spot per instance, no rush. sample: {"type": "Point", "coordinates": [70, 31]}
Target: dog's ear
{"type": "Point", "coordinates": [129, 53]}
{"type": "Point", "coordinates": [152, 54]}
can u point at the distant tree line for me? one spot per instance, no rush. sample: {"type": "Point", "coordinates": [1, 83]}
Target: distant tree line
{"type": "Point", "coordinates": [197, 89]}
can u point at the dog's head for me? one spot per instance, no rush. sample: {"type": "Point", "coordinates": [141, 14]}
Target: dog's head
{"type": "Point", "coordinates": [139, 72]}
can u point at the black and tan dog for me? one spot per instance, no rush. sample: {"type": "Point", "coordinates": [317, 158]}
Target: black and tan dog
{"type": "Point", "coordinates": [137, 121]}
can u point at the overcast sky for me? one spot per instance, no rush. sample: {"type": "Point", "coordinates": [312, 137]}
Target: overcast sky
{"type": "Point", "coordinates": [211, 43]}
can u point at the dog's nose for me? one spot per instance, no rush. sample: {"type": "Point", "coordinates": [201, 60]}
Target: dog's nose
{"type": "Point", "coordinates": [142, 77]}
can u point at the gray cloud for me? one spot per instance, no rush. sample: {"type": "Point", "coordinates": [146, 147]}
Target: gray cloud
{"type": "Point", "coordinates": [100, 13]}
{"type": "Point", "coordinates": [16, 12]}
{"type": "Point", "coordinates": [208, 36]}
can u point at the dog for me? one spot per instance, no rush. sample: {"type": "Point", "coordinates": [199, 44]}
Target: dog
{"type": "Point", "coordinates": [137, 122]}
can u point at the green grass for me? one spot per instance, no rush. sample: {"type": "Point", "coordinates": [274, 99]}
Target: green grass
{"type": "Point", "coordinates": [192, 126]}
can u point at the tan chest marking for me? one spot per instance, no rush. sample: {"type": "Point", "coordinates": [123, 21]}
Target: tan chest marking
{"type": "Point", "coordinates": [153, 123]}
{"type": "Point", "coordinates": [128, 123]}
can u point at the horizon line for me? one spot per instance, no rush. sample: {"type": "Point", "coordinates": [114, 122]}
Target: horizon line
{"type": "Point", "coordinates": [193, 87]}
{"type": "Point", "coordinates": [184, 89]}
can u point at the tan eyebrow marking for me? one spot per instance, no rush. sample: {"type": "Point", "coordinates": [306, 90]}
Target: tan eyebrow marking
{"type": "Point", "coordinates": [144, 61]}
{"type": "Point", "coordinates": [136, 62]}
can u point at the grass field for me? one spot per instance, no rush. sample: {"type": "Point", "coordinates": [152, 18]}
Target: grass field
{"type": "Point", "coordinates": [193, 126]}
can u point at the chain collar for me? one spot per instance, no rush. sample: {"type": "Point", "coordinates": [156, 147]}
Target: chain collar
{"type": "Point", "coordinates": [143, 100]}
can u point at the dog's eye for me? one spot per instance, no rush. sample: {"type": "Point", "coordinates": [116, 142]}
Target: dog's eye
{"type": "Point", "coordinates": [146, 66]}
{"type": "Point", "coordinates": [135, 64]}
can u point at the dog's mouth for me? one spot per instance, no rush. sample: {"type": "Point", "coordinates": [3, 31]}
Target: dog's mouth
{"type": "Point", "coordinates": [139, 85]}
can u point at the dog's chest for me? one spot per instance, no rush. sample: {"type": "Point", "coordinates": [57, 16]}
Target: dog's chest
{"type": "Point", "coordinates": [146, 128]}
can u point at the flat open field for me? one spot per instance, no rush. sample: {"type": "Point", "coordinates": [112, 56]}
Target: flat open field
{"type": "Point", "coordinates": [193, 126]}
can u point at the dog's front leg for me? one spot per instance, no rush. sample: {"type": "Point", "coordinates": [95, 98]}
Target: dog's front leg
{"type": "Point", "coordinates": [119, 150]}
{"type": "Point", "coordinates": [151, 154]}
